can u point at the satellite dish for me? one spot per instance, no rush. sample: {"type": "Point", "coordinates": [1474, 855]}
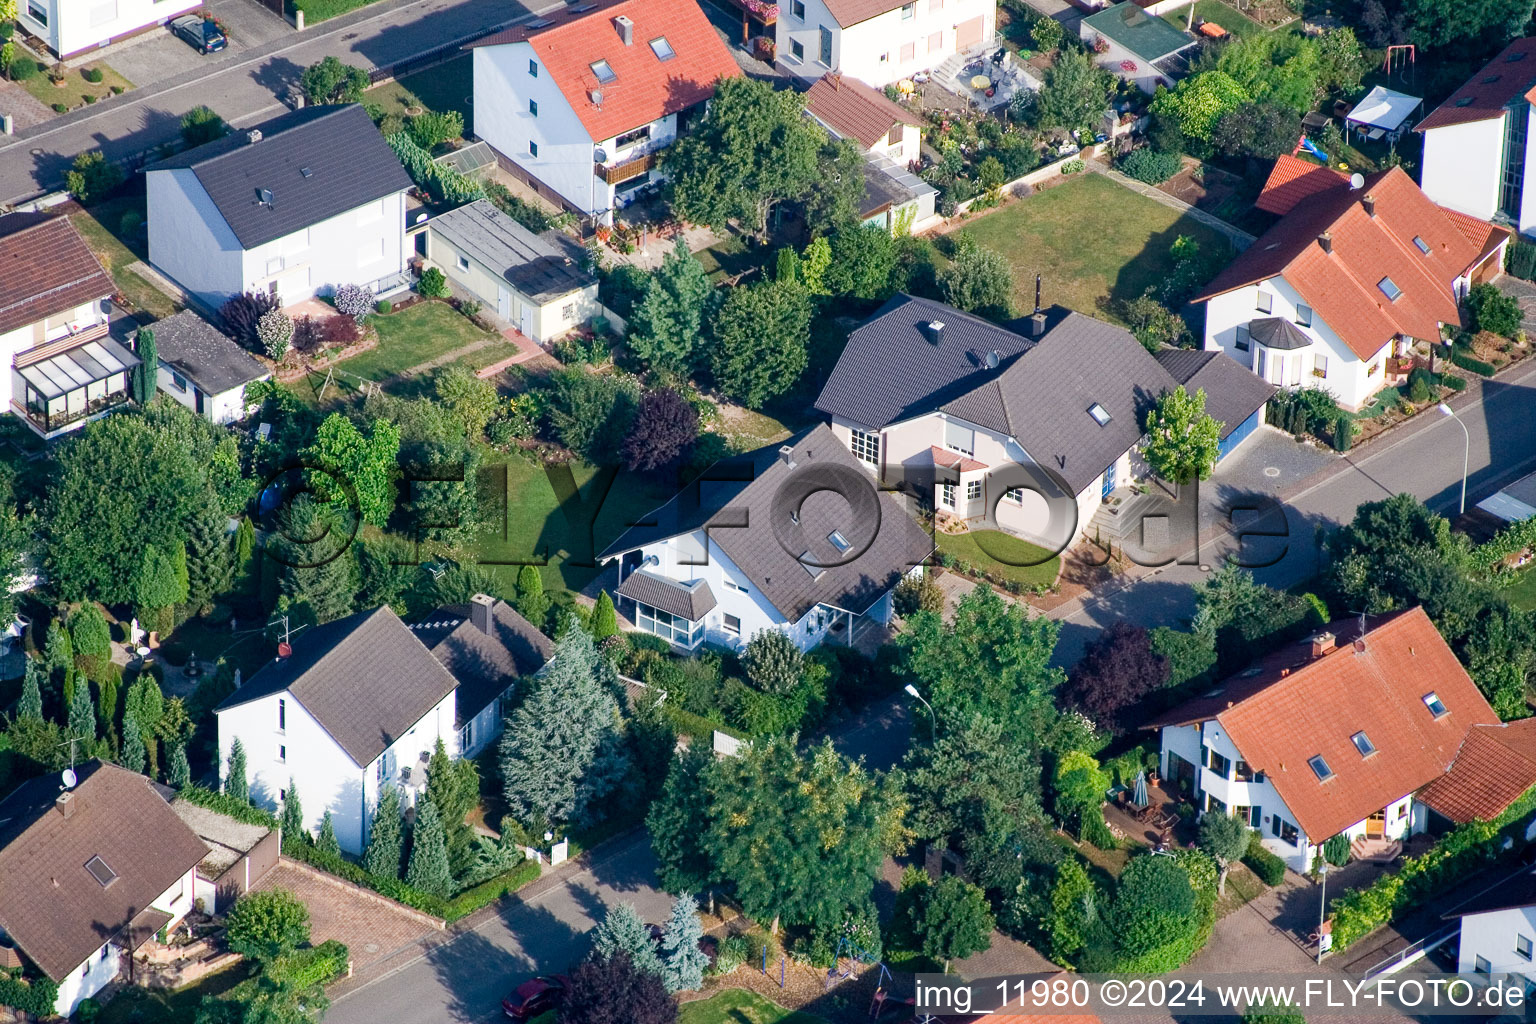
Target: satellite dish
{"type": "Point", "coordinates": [600, 155]}
{"type": "Point", "coordinates": [420, 217]}
{"type": "Point", "coordinates": [67, 777]}
{"type": "Point", "coordinates": [284, 650]}
{"type": "Point", "coordinates": [993, 359]}
{"type": "Point", "coordinates": [1356, 180]}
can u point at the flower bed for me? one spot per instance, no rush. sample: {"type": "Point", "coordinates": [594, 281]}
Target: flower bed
{"type": "Point", "coordinates": [285, 372]}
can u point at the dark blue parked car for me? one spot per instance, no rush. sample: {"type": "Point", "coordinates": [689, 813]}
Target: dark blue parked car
{"type": "Point", "coordinates": [201, 34]}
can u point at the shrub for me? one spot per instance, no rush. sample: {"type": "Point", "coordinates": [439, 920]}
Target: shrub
{"type": "Point", "coordinates": [340, 330]}
{"type": "Point", "coordinates": [305, 968]}
{"type": "Point", "coordinates": [525, 213]}
{"type": "Point", "coordinates": [1453, 382]}
{"type": "Point", "coordinates": [88, 97]}
{"type": "Point", "coordinates": [34, 995]}
{"type": "Point", "coordinates": [1150, 166]}
{"type": "Point", "coordinates": [92, 177]}
{"type": "Point", "coordinates": [23, 69]}
{"type": "Point", "coordinates": [88, 1012]}
{"type": "Point", "coordinates": [383, 307]}
{"type": "Point", "coordinates": [1343, 432]}
{"type": "Point", "coordinates": [1420, 385]}
{"type": "Point", "coordinates": [353, 300]}
{"type": "Point", "coordinates": [307, 334]}
{"type": "Point", "coordinates": [918, 593]}
{"type": "Point", "coordinates": [1072, 167]}
{"type": "Point", "coordinates": [433, 128]}
{"type": "Point", "coordinates": [1046, 33]}
{"type": "Point", "coordinates": [1336, 850]}
{"type": "Point", "coordinates": [117, 90]}
{"type": "Point", "coordinates": [1268, 866]}
{"type": "Point", "coordinates": [61, 108]}
{"type": "Point", "coordinates": [1467, 361]}
{"type": "Point", "coordinates": [243, 313]}
{"type": "Point", "coordinates": [267, 924]}
{"type": "Point", "coordinates": [275, 332]}
{"type": "Point", "coordinates": [1492, 310]}
{"type": "Point", "coordinates": [1521, 261]}
{"type": "Point", "coordinates": [731, 954]}
{"type": "Point", "coordinates": [433, 284]}
{"type": "Point", "coordinates": [200, 125]}
{"type": "Point", "coordinates": [92, 75]}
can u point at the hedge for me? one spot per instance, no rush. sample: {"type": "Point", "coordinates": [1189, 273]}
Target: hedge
{"type": "Point", "coordinates": [1521, 260]}
{"type": "Point", "coordinates": [1262, 862]}
{"type": "Point", "coordinates": [486, 893]}
{"type": "Point", "coordinates": [1453, 382]}
{"type": "Point", "coordinates": [1149, 166]}
{"type": "Point", "coordinates": [227, 805]}
{"type": "Point", "coordinates": [443, 183]}
{"type": "Point", "coordinates": [1472, 363]}
{"type": "Point", "coordinates": [391, 888]}
{"type": "Point", "coordinates": [319, 965]}
{"type": "Point", "coordinates": [36, 996]}
{"type": "Point", "coordinates": [1460, 853]}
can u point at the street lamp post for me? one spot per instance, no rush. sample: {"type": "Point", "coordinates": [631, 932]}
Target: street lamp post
{"type": "Point", "coordinates": [1466, 455]}
{"type": "Point", "coordinates": [933, 719]}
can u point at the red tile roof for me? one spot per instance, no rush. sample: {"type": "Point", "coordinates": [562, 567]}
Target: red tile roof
{"type": "Point", "coordinates": [1292, 180]}
{"type": "Point", "coordinates": [644, 87]}
{"type": "Point", "coordinates": [1294, 706]}
{"type": "Point", "coordinates": [45, 269]}
{"type": "Point", "coordinates": [1342, 286]}
{"type": "Point", "coordinates": [954, 460]}
{"type": "Point", "coordinates": [1483, 97]}
{"type": "Point", "coordinates": [855, 110]}
{"type": "Point", "coordinates": [1496, 764]}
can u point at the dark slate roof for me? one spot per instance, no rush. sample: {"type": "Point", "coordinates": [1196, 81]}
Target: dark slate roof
{"type": "Point", "coordinates": [1042, 399]}
{"type": "Point", "coordinates": [199, 352]}
{"type": "Point", "coordinates": [1277, 332]}
{"type": "Point", "coordinates": [890, 372]}
{"type": "Point", "coordinates": [527, 262]}
{"type": "Point", "coordinates": [50, 905]}
{"type": "Point", "coordinates": [1232, 393]}
{"type": "Point", "coordinates": [745, 503]}
{"type": "Point", "coordinates": [1514, 892]}
{"type": "Point", "coordinates": [348, 161]}
{"type": "Point", "coordinates": [366, 679]}
{"type": "Point", "coordinates": [484, 664]}
{"type": "Point", "coordinates": [691, 600]}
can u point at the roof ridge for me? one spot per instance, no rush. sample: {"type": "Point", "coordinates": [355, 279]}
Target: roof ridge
{"type": "Point", "coordinates": [192, 165]}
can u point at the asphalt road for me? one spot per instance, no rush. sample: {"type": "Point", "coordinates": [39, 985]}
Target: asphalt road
{"type": "Point", "coordinates": [464, 980]}
{"type": "Point", "coordinates": [244, 86]}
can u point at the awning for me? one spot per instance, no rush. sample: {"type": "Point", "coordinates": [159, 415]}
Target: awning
{"type": "Point", "coordinates": [74, 368]}
{"type": "Point", "coordinates": [144, 926]}
{"type": "Point", "coordinates": [691, 601]}
{"type": "Point", "coordinates": [1385, 109]}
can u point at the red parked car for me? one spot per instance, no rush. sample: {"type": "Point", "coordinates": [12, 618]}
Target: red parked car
{"type": "Point", "coordinates": [536, 995]}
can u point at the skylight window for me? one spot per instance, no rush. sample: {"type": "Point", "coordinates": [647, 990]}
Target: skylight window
{"type": "Point", "coordinates": [603, 72]}
{"type": "Point", "coordinates": [1518, 55]}
{"type": "Point", "coordinates": [99, 871]}
{"type": "Point", "coordinates": [1389, 288]}
{"type": "Point", "coordinates": [838, 540]}
{"type": "Point", "coordinates": [1434, 703]}
{"type": "Point", "coordinates": [808, 563]}
{"type": "Point", "coordinates": [662, 49]}
{"type": "Point", "coordinates": [1490, 79]}
{"type": "Point", "coordinates": [1465, 101]}
{"type": "Point", "coordinates": [1363, 744]}
{"type": "Point", "coordinates": [1421, 245]}
{"type": "Point", "coordinates": [1320, 768]}
{"type": "Point", "coordinates": [1100, 414]}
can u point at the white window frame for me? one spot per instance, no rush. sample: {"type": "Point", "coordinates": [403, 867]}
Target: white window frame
{"type": "Point", "coordinates": [947, 495]}
{"type": "Point", "coordinates": [462, 262]}
{"type": "Point", "coordinates": [864, 445]}
{"type": "Point", "coordinates": [282, 715]}
{"type": "Point", "coordinates": [726, 623]}
{"type": "Point", "coordinates": [1264, 302]}
{"type": "Point", "coordinates": [973, 490]}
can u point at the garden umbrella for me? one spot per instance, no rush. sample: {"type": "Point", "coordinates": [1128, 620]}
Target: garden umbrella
{"type": "Point", "coordinates": [1139, 794]}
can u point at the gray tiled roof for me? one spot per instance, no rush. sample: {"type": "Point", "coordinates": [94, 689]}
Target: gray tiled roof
{"type": "Point", "coordinates": [197, 350]}
{"type": "Point", "coordinates": [1232, 393]}
{"type": "Point", "coordinates": [1042, 399]}
{"type": "Point", "coordinates": [366, 679]}
{"type": "Point", "coordinates": [527, 262]}
{"type": "Point", "coordinates": [746, 502]}
{"type": "Point", "coordinates": [347, 160]}
{"type": "Point", "coordinates": [889, 371]}
{"type": "Point", "coordinates": [692, 600]}
{"type": "Point", "coordinates": [1278, 332]}
{"type": "Point", "coordinates": [484, 664]}
{"type": "Point", "coordinates": [50, 905]}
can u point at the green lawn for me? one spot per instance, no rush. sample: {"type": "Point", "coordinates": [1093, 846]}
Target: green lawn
{"type": "Point", "coordinates": [1227, 17]}
{"type": "Point", "coordinates": [732, 256]}
{"type": "Point", "coordinates": [995, 552]}
{"type": "Point", "coordinates": [413, 336]}
{"type": "Point", "coordinates": [1522, 592]}
{"type": "Point", "coordinates": [738, 1006]}
{"type": "Point", "coordinates": [316, 11]}
{"type": "Point", "coordinates": [72, 92]}
{"type": "Point", "coordinates": [570, 531]}
{"type": "Point", "coordinates": [442, 88]}
{"type": "Point", "coordinates": [103, 225]}
{"type": "Point", "coordinates": [1093, 240]}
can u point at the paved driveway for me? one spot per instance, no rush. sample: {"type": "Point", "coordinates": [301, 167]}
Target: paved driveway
{"type": "Point", "coordinates": [1525, 293]}
{"type": "Point", "coordinates": [154, 57]}
{"type": "Point", "coordinates": [370, 926]}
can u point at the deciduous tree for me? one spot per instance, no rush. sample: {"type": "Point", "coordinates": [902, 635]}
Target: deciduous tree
{"type": "Point", "coordinates": [979, 281]}
{"type": "Point", "coordinates": [591, 413]}
{"type": "Point", "coordinates": [354, 470]}
{"type": "Point", "coordinates": [772, 661]}
{"type": "Point", "coordinates": [201, 125]}
{"type": "Point", "coordinates": [1226, 839]}
{"type": "Point", "coordinates": [1199, 101]}
{"type": "Point", "coordinates": [678, 819]}
{"type": "Point", "coordinates": [1154, 904]}
{"type": "Point", "coordinates": [665, 429]}
{"type": "Point", "coordinates": [1117, 669]}
{"type": "Point", "coordinates": [1075, 92]}
{"type": "Point", "coordinates": [1183, 440]}
{"type": "Point", "coordinates": [953, 920]}
{"type": "Point", "coordinates": [331, 81]}
{"type": "Point", "coordinates": [266, 923]}
{"type": "Point", "coordinates": [614, 991]}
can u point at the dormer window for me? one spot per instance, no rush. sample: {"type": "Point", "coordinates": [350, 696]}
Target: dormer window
{"type": "Point", "coordinates": [1435, 704]}
{"type": "Point", "coordinates": [1320, 768]}
{"type": "Point", "coordinates": [662, 49]}
{"type": "Point", "coordinates": [1363, 744]}
{"type": "Point", "coordinates": [1389, 288]}
{"type": "Point", "coordinates": [1100, 414]}
{"type": "Point", "coordinates": [603, 72]}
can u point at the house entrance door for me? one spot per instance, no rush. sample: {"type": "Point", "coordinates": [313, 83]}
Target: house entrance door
{"type": "Point", "coordinates": [503, 303]}
{"type": "Point", "coordinates": [1376, 825]}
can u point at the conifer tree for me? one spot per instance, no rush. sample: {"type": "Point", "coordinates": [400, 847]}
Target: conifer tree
{"type": "Point", "coordinates": [326, 842]}
{"type": "Point", "coordinates": [315, 572]}
{"type": "Point", "coordinates": [30, 707]}
{"type": "Point", "coordinates": [683, 962]}
{"type": "Point", "coordinates": [106, 703]}
{"type": "Point", "coordinates": [532, 604]}
{"type": "Point", "coordinates": [178, 772]}
{"type": "Point", "coordinates": [133, 745]}
{"type": "Point", "coordinates": [235, 782]}
{"type": "Point", "coordinates": [428, 869]}
{"type": "Point", "coordinates": [605, 621]}
{"type": "Point", "coordinates": [210, 557]}
{"type": "Point", "coordinates": [382, 857]}
{"type": "Point", "coordinates": [59, 658]}
{"type": "Point", "coordinates": [82, 714]}
{"type": "Point", "coordinates": [292, 819]}
{"type": "Point", "coordinates": [624, 931]}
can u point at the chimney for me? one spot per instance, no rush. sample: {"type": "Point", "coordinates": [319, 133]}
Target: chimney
{"type": "Point", "coordinates": [1325, 241]}
{"type": "Point", "coordinates": [1284, 672]}
{"type": "Point", "coordinates": [65, 803]}
{"type": "Point", "coordinates": [1322, 644]}
{"type": "Point", "coordinates": [1369, 202]}
{"type": "Point", "coordinates": [1036, 325]}
{"type": "Point", "coordinates": [253, 136]}
{"type": "Point", "coordinates": [787, 455]}
{"type": "Point", "coordinates": [933, 330]}
{"type": "Point", "coordinates": [626, 28]}
{"type": "Point", "coordinates": [480, 612]}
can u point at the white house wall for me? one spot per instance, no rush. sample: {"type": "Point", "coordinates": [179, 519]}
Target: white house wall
{"type": "Point", "coordinates": [188, 238]}
{"type": "Point", "coordinates": [1493, 936]}
{"type": "Point", "coordinates": [1146, 76]}
{"type": "Point", "coordinates": [541, 322]}
{"type": "Point", "coordinates": [74, 26]}
{"type": "Point", "coordinates": [884, 48]}
{"type": "Point", "coordinates": [1349, 378]}
{"type": "Point", "coordinates": [359, 246]}
{"type": "Point", "coordinates": [225, 407]}
{"type": "Point", "coordinates": [1462, 164]}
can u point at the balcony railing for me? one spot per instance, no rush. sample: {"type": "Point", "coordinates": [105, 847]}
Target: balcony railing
{"type": "Point", "coordinates": [632, 168]}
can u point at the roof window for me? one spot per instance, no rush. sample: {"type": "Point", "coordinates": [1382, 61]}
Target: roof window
{"type": "Point", "coordinates": [1434, 703]}
{"type": "Point", "coordinates": [1490, 79]}
{"type": "Point", "coordinates": [662, 49]}
{"type": "Point", "coordinates": [1389, 288]}
{"type": "Point", "coordinates": [99, 871]}
{"type": "Point", "coordinates": [1320, 768]}
{"type": "Point", "coordinates": [1421, 245]}
{"type": "Point", "coordinates": [603, 72]}
{"type": "Point", "coordinates": [1515, 57]}
{"type": "Point", "coordinates": [808, 563]}
{"type": "Point", "coordinates": [1465, 101]}
{"type": "Point", "coordinates": [838, 540]}
{"type": "Point", "coordinates": [1363, 744]}
{"type": "Point", "coordinates": [1100, 414]}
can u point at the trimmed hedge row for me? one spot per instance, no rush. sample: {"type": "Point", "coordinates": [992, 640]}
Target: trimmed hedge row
{"type": "Point", "coordinates": [1264, 863]}
{"type": "Point", "coordinates": [391, 888]}
{"type": "Point", "coordinates": [486, 893]}
{"type": "Point", "coordinates": [1472, 363]}
{"type": "Point", "coordinates": [1461, 852]}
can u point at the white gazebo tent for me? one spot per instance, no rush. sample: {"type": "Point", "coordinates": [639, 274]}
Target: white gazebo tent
{"type": "Point", "coordinates": [1383, 112]}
